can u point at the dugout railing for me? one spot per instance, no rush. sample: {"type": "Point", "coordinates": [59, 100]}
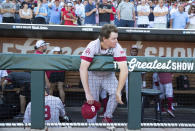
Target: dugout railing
{"type": "Point", "coordinates": [39, 63]}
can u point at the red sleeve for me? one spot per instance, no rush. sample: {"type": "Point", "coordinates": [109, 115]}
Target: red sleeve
{"type": "Point", "coordinates": [113, 9]}
{"type": "Point", "coordinates": [119, 59]}
{"type": "Point", "coordinates": [73, 13]}
{"type": "Point", "coordinates": [89, 59]}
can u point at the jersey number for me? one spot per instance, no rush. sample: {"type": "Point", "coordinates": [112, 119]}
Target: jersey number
{"type": "Point", "coordinates": [47, 112]}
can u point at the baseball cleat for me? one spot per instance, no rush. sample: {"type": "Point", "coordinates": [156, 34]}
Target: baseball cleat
{"type": "Point", "coordinates": [171, 113]}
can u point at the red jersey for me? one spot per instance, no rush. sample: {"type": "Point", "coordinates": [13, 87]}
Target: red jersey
{"type": "Point", "coordinates": [68, 15]}
{"type": "Point", "coordinates": [165, 78]}
{"type": "Point", "coordinates": [47, 72]}
{"type": "Point", "coordinates": [112, 15]}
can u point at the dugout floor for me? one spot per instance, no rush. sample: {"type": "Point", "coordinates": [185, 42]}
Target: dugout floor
{"type": "Point", "coordinates": [183, 115]}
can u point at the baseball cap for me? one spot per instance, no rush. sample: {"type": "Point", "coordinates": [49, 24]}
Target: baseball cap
{"type": "Point", "coordinates": [40, 43]}
{"type": "Point", "coordinates": [56, 49]}
{"type": "Point", "coordinates": [134, 47]}
{"type": "Point", "coordinates": [69, 4]}
{"type": "Point", "coordinates": [89, 111]}
{"type": "Point", "coordinates": [190, 2]}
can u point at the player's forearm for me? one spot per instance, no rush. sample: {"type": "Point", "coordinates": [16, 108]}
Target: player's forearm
{"type": "Point", "coordinates": [47, 81]}
{"type": "Point", "coordinates": [84, 80]}
{"type": "Point", "coordinates": [122, 78]}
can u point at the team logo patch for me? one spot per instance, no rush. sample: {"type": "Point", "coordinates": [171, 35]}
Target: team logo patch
{"type": "Point", "coordinates": [93, 108]}
{"type": "Point", "coordinates": [87, 51]}
{"type": "Point", "coordinates": [122, 52]}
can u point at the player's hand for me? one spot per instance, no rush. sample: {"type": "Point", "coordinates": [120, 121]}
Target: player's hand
{"type": "Point", "coordinates": [118, 98]}
{"type": "Point", "coordinates": [89, 98]}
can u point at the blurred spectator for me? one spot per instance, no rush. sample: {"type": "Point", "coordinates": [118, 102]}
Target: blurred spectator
{"type": "Point", "coordinates": [25, 13]}
{"type": "Point", "coordinates": [80, 12]}
{"type": "Point", "coordinates": [115, 3]}
{"type": "Point", "coordinates": [45, 4]}
{"type": "Point", "coordinates": [64, 8]}
{"type": "Point", "coordinates": [69, 16]}
{"type": "Point", "coordinates": [8, 11]}
{"type": "Point", "coordinates": [126, 14]}
{"type": "Point", "coordinates": [18, 5]}
{"type": "Point", "coordinates": [74, 2]}
{"type": "Point", "coordinates": [30, 4]}
{"type": "Point", "coordinates": [85, 2]}
{"type": "Point", "coordinates": [160, 15]}
{"type": "Point", "coordinates": [187, 7]}
{"type": "Point", "coordinates": [192, 17]}
{"type": "Point", "coordinates": [0, 12]}
{"type": "Point", "coordinates": [104, 13]}
{"type": "Point", "coordinates": [97, 14]}
{"type": "Point", "coordinates": [143, 13]}
{"type": "Point", "coordinates": [112, 15]}
{"type": "Point", "coordinates": [55, 12]}
{"type": "Point", "coordinates": [173, 9]}
{"type": "Point", "coordinates": [155, 3]}
{"type": "Point", "coordinates": [50, 2]}
{"type": "Point", "coordinates": [62, 3]}
{"type": "Point", "coordinates": [40, 13]}
{"type": "Point", "coordinates": [90, 12]}
{"type": "Point", "coordinates": [57, 78]}
{"type": "Point", "coordinates": [151, 15]}
{"type": "Point", "coordinates": [179, 19]}
{"type": "Point", "coordinates": [20, 80]}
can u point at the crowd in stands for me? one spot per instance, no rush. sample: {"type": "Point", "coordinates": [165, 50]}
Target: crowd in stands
{"type": "Point", "coordinates": [122, 13]}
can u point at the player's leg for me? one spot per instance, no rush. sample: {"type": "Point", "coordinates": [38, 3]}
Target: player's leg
{"type": "Point", "coordinates": [94, 86]}
{"type": "Point", "coordinates": [52, 86]}
{"type": "Point", "coordinates": [110, 84]}
{"type": "Point", "coordinates": [61, 91]}
{"type": "Point", "coordinates": [22, 104]}
{"type": "Point", "coordinates": [103, 96]}
{"type": "Point", "coordinates": [162, 98]}
{"type": "Point", "coordinates": [169, 96]}
{"type": "Point", "coordinates": [22, 99]}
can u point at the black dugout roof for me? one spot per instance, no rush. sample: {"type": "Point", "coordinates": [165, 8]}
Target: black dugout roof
{"type": "Point", "coordinates": [89, 33]}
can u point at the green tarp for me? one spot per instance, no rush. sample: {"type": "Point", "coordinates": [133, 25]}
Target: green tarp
{"type": "Point", "coordinates": [100, 63]}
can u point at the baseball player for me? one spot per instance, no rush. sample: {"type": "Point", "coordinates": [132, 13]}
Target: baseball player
{"type": "Point", "coordinates": [53, 110]}
{"type": "Point", "coordinates": [93, 81]}
{"type": "Point", "coordinates": [57, 78]}
{"type": "Point", "coordinates": [156, 81]}
{"type": "Point", "coordinates": [166, 88]}
{"type": "Point", "coordinates": [134, 52]}
{"type": "Point", "coordinates": [20, 80]}
{"type": "Point", "coordinates": [40, 48]}
{"type": "Point", "coordinates": [3, 75]}
{"type": "Point", "coordinates": [155, 85]}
